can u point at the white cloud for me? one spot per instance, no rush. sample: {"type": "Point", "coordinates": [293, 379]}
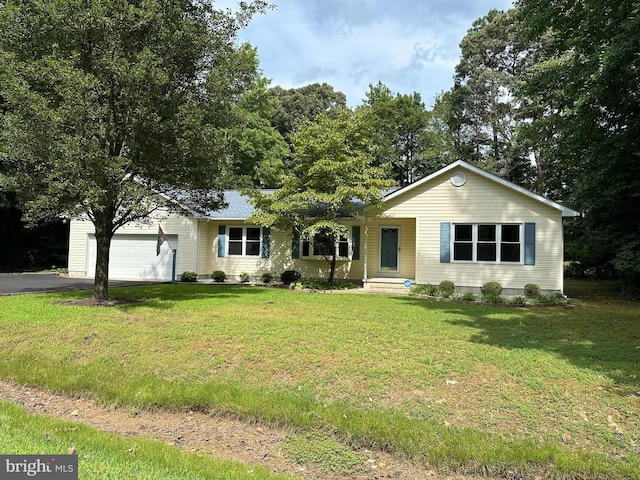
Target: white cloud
{"type": "Point", "coordinates": [409, 45]}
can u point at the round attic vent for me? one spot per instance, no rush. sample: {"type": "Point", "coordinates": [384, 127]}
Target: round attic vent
{"type": "Point", "coordinates": [458, 179]}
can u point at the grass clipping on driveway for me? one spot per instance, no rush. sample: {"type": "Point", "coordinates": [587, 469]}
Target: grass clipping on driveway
{"type": "Point", "coordinates": [461, 387]}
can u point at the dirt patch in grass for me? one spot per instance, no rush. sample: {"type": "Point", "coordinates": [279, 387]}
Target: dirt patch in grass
{"type": "Point", "coordinates": [92, 302]}
{"type": "Point", "coordinates": [222, 437]}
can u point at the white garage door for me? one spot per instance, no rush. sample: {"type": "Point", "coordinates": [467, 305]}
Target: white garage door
{"type": "Point", "coordinates": [133, 257]}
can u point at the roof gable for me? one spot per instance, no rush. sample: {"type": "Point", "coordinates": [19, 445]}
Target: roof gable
{"type": "Point", "coordinates": [461, 165]}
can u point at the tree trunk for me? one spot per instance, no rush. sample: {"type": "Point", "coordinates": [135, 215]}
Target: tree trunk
{"type": "Point", "coordinates": [104, 233]}
{"type": "Point", "coordinates": [332, 269]}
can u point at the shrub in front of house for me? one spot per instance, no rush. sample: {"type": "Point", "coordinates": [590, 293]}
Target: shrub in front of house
{"type": "Point", "coordinates": [245, 277]}
{"type": "Point", "coordinates": [552, 298]}
{"type": "Point", "coordinates": [531, 290]}
{"type": "Point", "coordinates": [517, 300]}
{"type": "Point", "coordinates": [491, 288]}
{"type": "Point", "coordinates": [266, 277]}
{"type": "Point", "coordinates": [218, 276]}
{"type": "Point", "coordinates": [446, 288]}
{"type": "Point", "coordinates": [188, 277]}
{"type": "Point", "coordinates": [469, 297]}
{"type": "Point", "coordinates": [493, 298]}
{"type": "Point", "coordinates": [430, 290]}
{"type": "Point", "coordinates": [290, 276]}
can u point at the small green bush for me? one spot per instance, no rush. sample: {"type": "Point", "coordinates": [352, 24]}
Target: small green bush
{"type": "Point", "coordinates": [493, 298]}
{"type": "Point", "coordinates": [266, 277]}
{"type": "Point", "coordinates": [188, 277]}
{"type": "Point", "coordinates": [446, 288]}
{"type": "Point", "coordinates": [218, 276]}
{"type": "Point", "coordinates": [531, 290]}
{"type": "Point", "coordinates": [551, 298]}
{"type": "Point", "coordinates": [245, 277]}
{"type": "Point", "coordinates": [324, 285]}
{"type": "Point", "coordinates": [518, 300]}
{"type": "Point", "coordinates": [491, 288]}
{"type": "Point", "coordinates": [469, 297]}
{"type": "Point", "coordinates": [290, 276]}
{"type": "Point", "coordinates": [430, 290]}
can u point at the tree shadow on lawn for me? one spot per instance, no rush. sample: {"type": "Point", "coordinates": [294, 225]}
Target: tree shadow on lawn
{"type": "Point", "coordinates": [604, 341]}
{"type": "Point", "coordinates": [160, 296]}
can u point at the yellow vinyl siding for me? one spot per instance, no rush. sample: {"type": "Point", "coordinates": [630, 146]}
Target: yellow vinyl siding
{"type": "Point", "coordinates": [407, 244]}
{"type": "Point", "coordinates": [172, 224]}
{"type": "Point", "coordinates": [279, 258]}
{"type": "Point", "coordinates": [480, 200]}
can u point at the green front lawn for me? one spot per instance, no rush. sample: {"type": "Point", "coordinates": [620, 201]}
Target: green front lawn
{"type": "Point", "coordinates": [464, 387]}
{"type": "Point", "coordinates": [104, 456]}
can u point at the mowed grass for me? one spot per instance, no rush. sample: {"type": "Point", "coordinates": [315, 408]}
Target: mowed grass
{"type": "Point", "coordinates": [107, 456]}
{"type": "Point", "coordinates": [463, 387]}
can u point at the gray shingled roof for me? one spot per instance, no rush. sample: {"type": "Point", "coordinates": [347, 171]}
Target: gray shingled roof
{"type": "Point", "coordinates": [238, 207]}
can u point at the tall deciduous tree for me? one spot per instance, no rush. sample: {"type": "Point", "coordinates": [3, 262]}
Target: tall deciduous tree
{"type": "Point", "coordinates": [333, 171]}
{"type": "Point", "coordinates": [257, 149]}
{"type": "Point", "coordinates": [591, 74]}
{"type": "Point", "coordinates": [111, 101]}
{"type": "Point", "coordinates": [494, 60]}
{"type": "Point", "coordinates": [295, 106]}
{"type": "Point", "coordinates": [399, 127]}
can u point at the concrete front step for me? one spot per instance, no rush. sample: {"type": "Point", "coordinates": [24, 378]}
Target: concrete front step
{"type": "Point", "coordinates": [395, 286]}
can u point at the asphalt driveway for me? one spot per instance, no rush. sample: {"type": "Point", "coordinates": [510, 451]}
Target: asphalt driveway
{"type": "Point", "coordinates": [11, 283]}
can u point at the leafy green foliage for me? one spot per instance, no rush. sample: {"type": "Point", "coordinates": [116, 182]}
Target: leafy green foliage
{"type": "Point", "coordinates": [328, 453]}
{"type": "Point", "coordinates": [589, 77]}
{"type": "Point", "coordinates": [218, 276]}
{"type": "Point", "coordinates": [400, 127]}
{"type": "Point", "coordinates": [491, 288]}
{"type": "Point", "coordinates": [266, 277]}
{"type": "Point", "coordinates": [245, 277]}
{"type": "Point", "coordinates": [295, 106]}
{"type": "Point", "coordinates": [333, 177]}
{"type": "Point", "coordinates": [486, 108]}
{"type": "Point", "coordinates": [446, 288]}
{"type": "Point", "coordinates": [430, 290]}
{"type": "Point", "coordinates": [110, 102]}
{"type": "Point", "coordinates": [188, 277]}
{"type": "Point", "coordinates": [323, 285]}
{"type": "Point", "coordinates": [531, 290]}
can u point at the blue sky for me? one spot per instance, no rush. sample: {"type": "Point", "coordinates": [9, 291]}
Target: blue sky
{"type": "Point", "coordinates": [409, 45]}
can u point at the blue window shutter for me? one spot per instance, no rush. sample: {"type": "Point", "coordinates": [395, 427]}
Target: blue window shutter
{"type": "Point", "coordinates": [530, 243]}
{"type": "Point", "coordinates": [295, 244]}
{"type": "Point", "coordinates": [445, 242]}
{"type": "Point", "coordinates": [355, 242]}
{"type": "Point", "coordinates": [266, 242]}
{"type": "Point", "coordinates": [222, 240]}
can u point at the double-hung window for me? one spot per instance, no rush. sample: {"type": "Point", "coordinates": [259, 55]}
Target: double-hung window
{"type": "Point", "coordinates": [321, 245]}
{"type": "Point", "coordinates": [244, 241]}
{"type": "Point", "coordinates": [487, 243]}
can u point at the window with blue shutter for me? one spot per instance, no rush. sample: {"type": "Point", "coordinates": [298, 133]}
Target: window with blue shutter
{"type": "Point", "coordinates": [295, 244]}
{"type": "Point", "coordinates": [530, 243]}
{"type": "Point", "coordinates": [266, 242]}
{"type": "Point", "coordinates": [355, 242]}
{"type": "Point", "coordinates": [445, 242]}
{"type": "Point", "coordinates": [222, 240]}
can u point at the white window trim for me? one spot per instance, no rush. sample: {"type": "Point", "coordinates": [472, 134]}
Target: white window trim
{"type": "Point", "coordinates": [311, 256]}
{"type": "Point", "coordinates": [244, 241]}
{"type": "Point", "coordinates": [474, 242]}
